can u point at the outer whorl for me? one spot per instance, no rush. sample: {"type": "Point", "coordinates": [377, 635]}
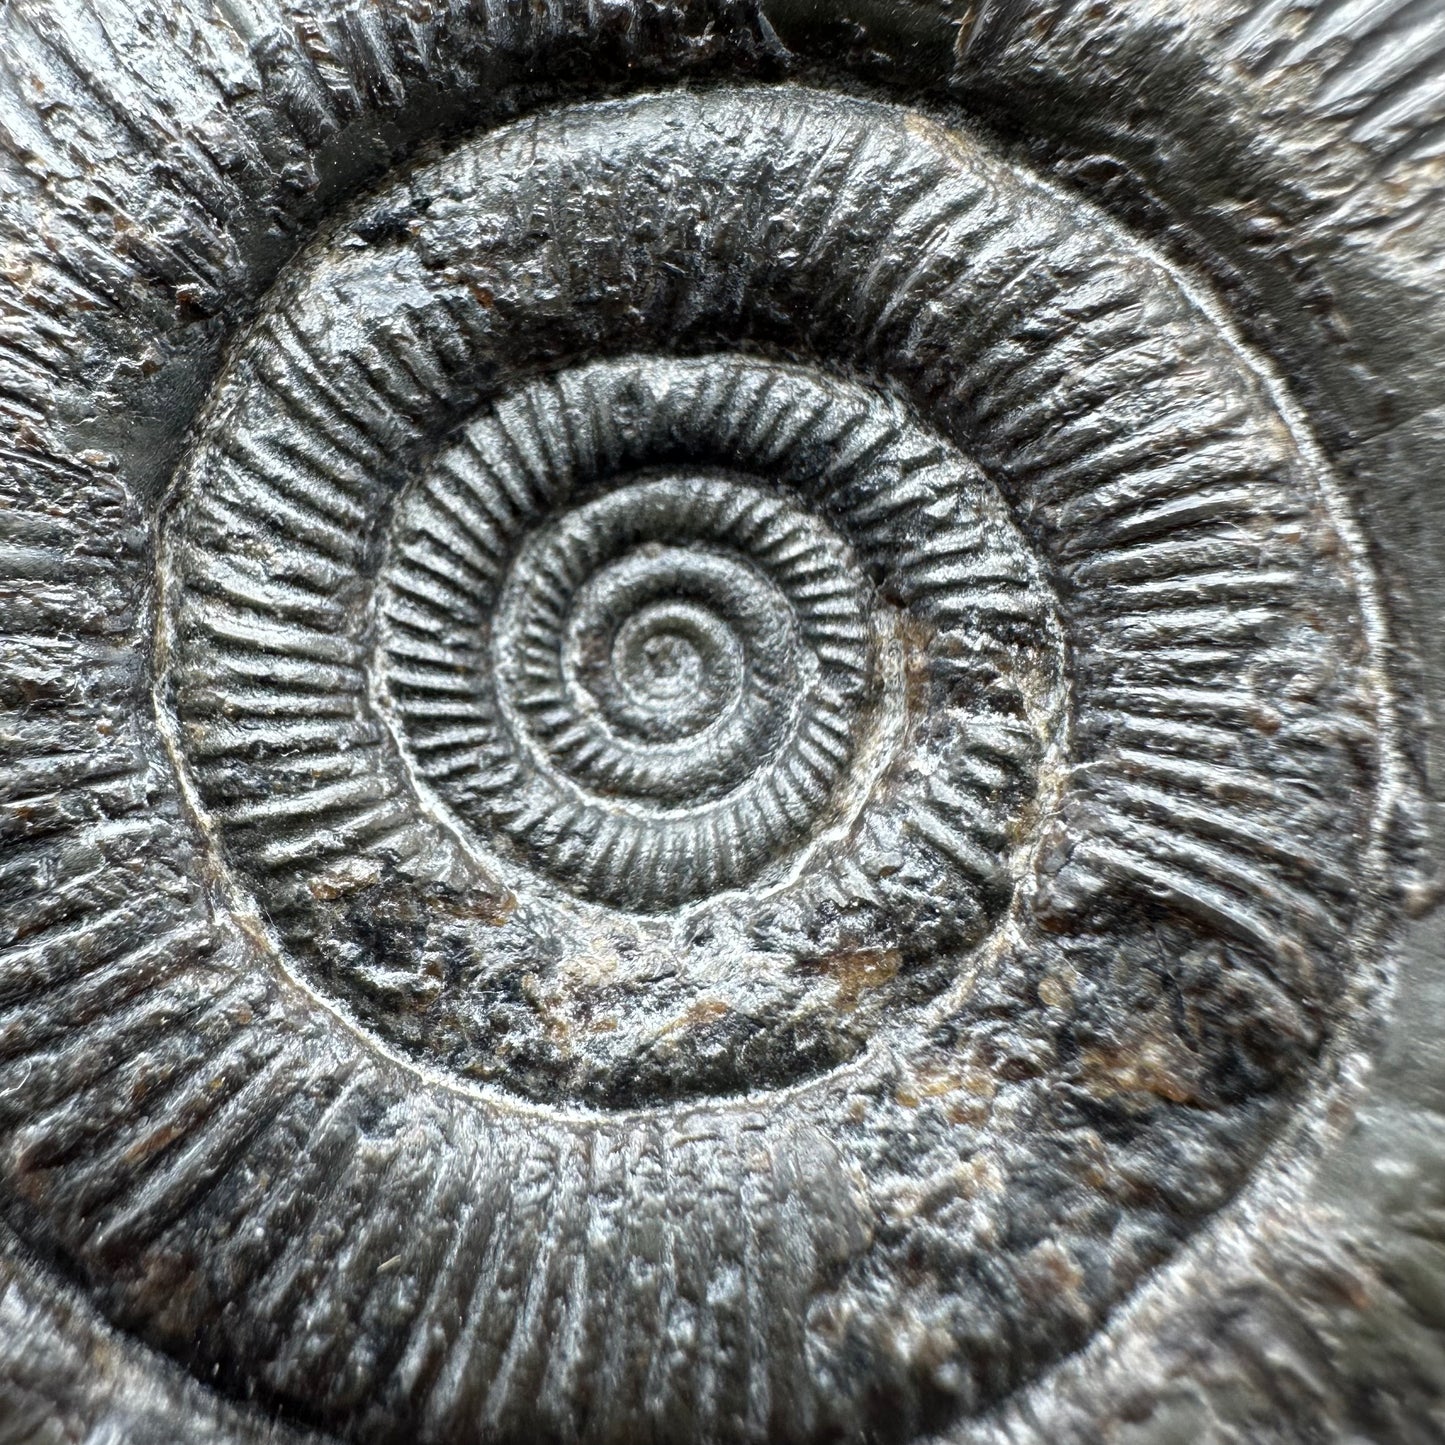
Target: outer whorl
{"type": "Point", "coordinates": [711, 729]}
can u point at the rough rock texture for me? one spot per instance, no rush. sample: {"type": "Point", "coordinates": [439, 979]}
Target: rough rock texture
{"type": "Point", "coordinates": [718, 721]}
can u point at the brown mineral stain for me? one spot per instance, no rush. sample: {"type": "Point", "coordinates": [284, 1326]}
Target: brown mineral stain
{"type": "Point", "coordinates": [1266, 720]}
{"type": "Point", "coordinates": [548, 1007]}
{"type": "Point", "coordinates": [977, 1176]}
{"type": "Point", "coordinates": [974, 1102]}
{"type": "Point", "coordinates": [857, 969]}
{"type": "Point", "coordinates": [481, 906]}
{"type": "Point", "coordinates": [968, 1114]}
{"type": "Point", "coordinates": [1050, 1271]}
{"type": "Point", "coordinates": [1144, 1069]}
{"type": "Point", "coordinates": [1054, 991]}
{"type": "Point", "coordinates": [704, 1011]}
{"type": "Point", "coordinates": [965, 1094]}
{"type": "Point", "coordinates": [345, 877]}
{"type": "Point", "coordinates": [352, 876]}
{"type": "Point", "coordinates": [153, 1142]}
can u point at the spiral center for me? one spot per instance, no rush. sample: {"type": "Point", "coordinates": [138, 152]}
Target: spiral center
{"type": "Point", "coordinates": [662, 668]}
{"type": "Point", "coordinates": [668, 642]}
{"type": "Point", "coordinates": [677, 666]}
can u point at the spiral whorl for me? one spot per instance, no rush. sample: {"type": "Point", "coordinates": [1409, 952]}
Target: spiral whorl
{"type": "Point", "coordinates": [663, 690]}
{"type": "Point", "coordinates": [659, 691]}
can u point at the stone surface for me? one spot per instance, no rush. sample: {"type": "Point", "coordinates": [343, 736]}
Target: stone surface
{"type": "Point", "coordinates": [718, 722]}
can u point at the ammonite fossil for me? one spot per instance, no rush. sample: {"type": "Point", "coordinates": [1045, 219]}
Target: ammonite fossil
{"type": "Point", "coordinates": [717, 722]}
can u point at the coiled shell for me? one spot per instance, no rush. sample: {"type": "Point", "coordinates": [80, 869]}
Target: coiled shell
{"type": "Point", "coordinates": [754, 766]}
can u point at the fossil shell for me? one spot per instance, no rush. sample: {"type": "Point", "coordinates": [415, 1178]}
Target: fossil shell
{"type": "Point", "coordinates": [702, 763]}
